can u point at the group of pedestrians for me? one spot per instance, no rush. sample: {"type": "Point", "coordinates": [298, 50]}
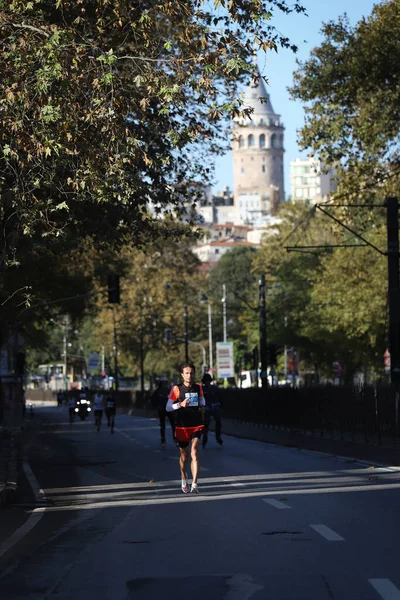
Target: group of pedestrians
{"type": "Point", "coordinates": [100, 404]}
{"type": "Point", "coordinates": [189, 406]}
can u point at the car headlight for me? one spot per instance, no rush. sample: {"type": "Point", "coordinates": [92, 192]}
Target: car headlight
{"type": "Point", "coordinates": [89, 409]}
{"type": "Point", "coordinates": [77, 410]}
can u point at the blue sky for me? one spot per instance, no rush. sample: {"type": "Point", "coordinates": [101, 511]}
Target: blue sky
{"type": "Point", "coordinates": [278, 68]}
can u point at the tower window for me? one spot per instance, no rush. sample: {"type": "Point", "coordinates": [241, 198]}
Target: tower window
{"type": "Point", "coordinates": [241, 141]}
{"type": "Point", "coordinates": [263, 168]}
{"type": "Point", "coordinates": [242, 169]}
{"type": "Point", "coordinates": [251, 140]}
{"type": "Point", "coordinates": [273, 141]}
{"type": "Point", "coordinates": [262, 122]}
{"type": "Point", "coordinates": [262, 141]}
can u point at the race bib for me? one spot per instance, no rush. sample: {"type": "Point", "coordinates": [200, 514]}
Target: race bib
{"type": "Point", "coordinates": [193, 398]}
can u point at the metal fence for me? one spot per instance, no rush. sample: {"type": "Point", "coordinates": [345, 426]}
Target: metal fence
{"type": "Point", "coordinates": [368, 414]}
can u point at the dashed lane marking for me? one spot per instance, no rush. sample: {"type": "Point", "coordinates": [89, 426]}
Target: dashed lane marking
{"type": "Point", "coordinates": [328, 533]}
{"type": "Point", "coordinates": [277, 504]}
{"type": "Point", "coordinates": [385, 588]}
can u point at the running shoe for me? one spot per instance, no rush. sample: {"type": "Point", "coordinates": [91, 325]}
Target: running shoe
{"type": "Point", "coordinates": [194, 489]}
{"type": "Point", "coordinates": [185, 486]}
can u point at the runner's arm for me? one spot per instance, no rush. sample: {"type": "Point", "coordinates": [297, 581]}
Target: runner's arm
{"type": "Point", "coordinates": [173, 402]}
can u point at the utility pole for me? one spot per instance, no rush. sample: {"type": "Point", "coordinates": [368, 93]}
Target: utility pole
{"type": "Point", "coordinates": [116, 379]}
{"type": "Point", "coordinates": [393, 288]}
{"type": "Point", "coordinates": [392, 216]}
{"type": "Point", "coordinates": [263, 331]}
{"type": "Point", "coordinates": [223, 300]}
{"type": "Point", "coordinates": [102, 361]}
{"type": "Point", "coordinates": [141, 359]}
{"type": "Point", "coordinates": [285, 353]}
{"type": "Point", "coordinates": [210, 339]}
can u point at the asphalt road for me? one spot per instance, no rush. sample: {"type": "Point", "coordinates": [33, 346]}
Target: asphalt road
{"type": "Point", "coordinates": [270, 523]}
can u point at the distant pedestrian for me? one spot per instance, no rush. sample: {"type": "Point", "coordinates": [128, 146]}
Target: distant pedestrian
{"type": "Point", "coordinates": [111, 409]}
{"type": "Point", "coordinates": [213, 410]}
{"type": "Point", "coordinates": [187, 402]}
{"type": "Point", "coordinates": [60, 398]}
{"type": "Point", "coordinates": [71, 407]}
{"type": "Point", "coordinates": [159, 400]}
{"type": "Point", "coordinates": [98, 407]}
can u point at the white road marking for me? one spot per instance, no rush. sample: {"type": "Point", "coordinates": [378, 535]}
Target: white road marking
{"type": "Point", "coordinates": [327, 533]}
{"type": "Point", "coordinates": [233, 483]}
{"type": "Point", "coordinates": [277, 504]}
{"type": "Point", "coordinates": [35, 517]}
{"type": "Point", "coordinates": [385, 588]}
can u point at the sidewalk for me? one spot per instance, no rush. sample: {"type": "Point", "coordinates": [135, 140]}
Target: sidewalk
{"type": "Point", "coordinates": [386, 454]}
{"type": "Point", "coordinates": [10, 463]}
{"type": "Point", "coordinates": [371, 452]}
{"type": "Point", "coordinates": [13, 443]}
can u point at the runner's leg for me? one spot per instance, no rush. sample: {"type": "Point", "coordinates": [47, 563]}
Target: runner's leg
{"type": "Point", "coordinates": [184, 454]}
{"type": "Point", "coordinates": [195, 464]}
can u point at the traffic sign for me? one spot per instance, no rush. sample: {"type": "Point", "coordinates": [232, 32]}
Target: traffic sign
{"type": "Point", "coordinates": [225, 366]}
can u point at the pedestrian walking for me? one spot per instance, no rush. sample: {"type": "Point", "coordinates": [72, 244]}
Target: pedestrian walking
{"type": "Point", "coordinates": [159, 400]}
{"type": "Point", "coordinates": [213, 410]}
{"type": "Point", "coordinates": [187, 402]}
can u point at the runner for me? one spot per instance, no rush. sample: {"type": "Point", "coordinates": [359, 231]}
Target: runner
{"type": "Point", "coordinates": [188, 402]}
{"type": "Point", "coordinates": [98, 406]}
{"type": "Point", "coordinates": [111, 408]}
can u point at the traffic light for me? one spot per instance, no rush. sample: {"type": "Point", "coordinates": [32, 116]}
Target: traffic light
{"type": "Point", "coordinates": [113, 288]}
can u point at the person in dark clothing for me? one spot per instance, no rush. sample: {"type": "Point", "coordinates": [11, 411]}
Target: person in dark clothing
{"type": "Point", "coordinates": [111, 409]}
{"type": "Point", "coordinates": [213, 409]}
{"type": "Point", "coordinates": [159, 400]}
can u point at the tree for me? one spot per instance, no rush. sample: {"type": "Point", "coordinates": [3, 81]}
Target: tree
{"type": "Point", "coordinates": [350, 87]}
{"type": "Point", "coordinates": [235, 270]}
{"type": "Point", "coordinates": [103, 105]}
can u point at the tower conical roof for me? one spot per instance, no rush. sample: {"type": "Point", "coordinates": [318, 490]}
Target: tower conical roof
{"type": "Point", "coordinates": [257, 98]}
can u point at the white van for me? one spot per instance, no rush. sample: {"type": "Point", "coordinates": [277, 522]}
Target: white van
{"type": "Point", "coordinates": [248, 379]}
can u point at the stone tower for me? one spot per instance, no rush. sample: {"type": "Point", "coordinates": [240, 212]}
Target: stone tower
{"type": "Point", "coordinates": [258, 158]}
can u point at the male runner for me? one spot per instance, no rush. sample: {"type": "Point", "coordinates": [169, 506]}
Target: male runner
{"type": "Point", "coordinates": [188, 402]}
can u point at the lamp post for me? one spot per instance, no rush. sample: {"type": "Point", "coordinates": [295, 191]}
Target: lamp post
{"type": "Point", "coordinates": [223, 300]}
{"type": "Point", "coordinates": [210, 339]}
{"type": "Point", "coordinates": [263, 332]}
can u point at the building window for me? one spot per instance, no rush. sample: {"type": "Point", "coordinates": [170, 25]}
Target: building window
{"type": "Point", "coordinates": [262, 141]}
{"type": "Point", "coordinates": [273, 140]}
{"type": "Point", "coordinates": [241, 141]}
{"type": "Point", "coordinates": [243, 170]}
{"type": "Point", "coordinates": [251, 140]}
{"type": "Point", "coordinates": [263, 168]}
{"type": "Point", "coordinates": [262, 122]}
{"type": "Point", "coordinates": [299, 193]}
{"type": "Point", "coordinates": [216, 251]}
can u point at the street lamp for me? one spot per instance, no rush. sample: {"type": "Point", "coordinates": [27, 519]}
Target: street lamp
{"type": "Point", "coordinates": [205, 298]}
{"type": "Point", "coordinates": [223, 300]}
